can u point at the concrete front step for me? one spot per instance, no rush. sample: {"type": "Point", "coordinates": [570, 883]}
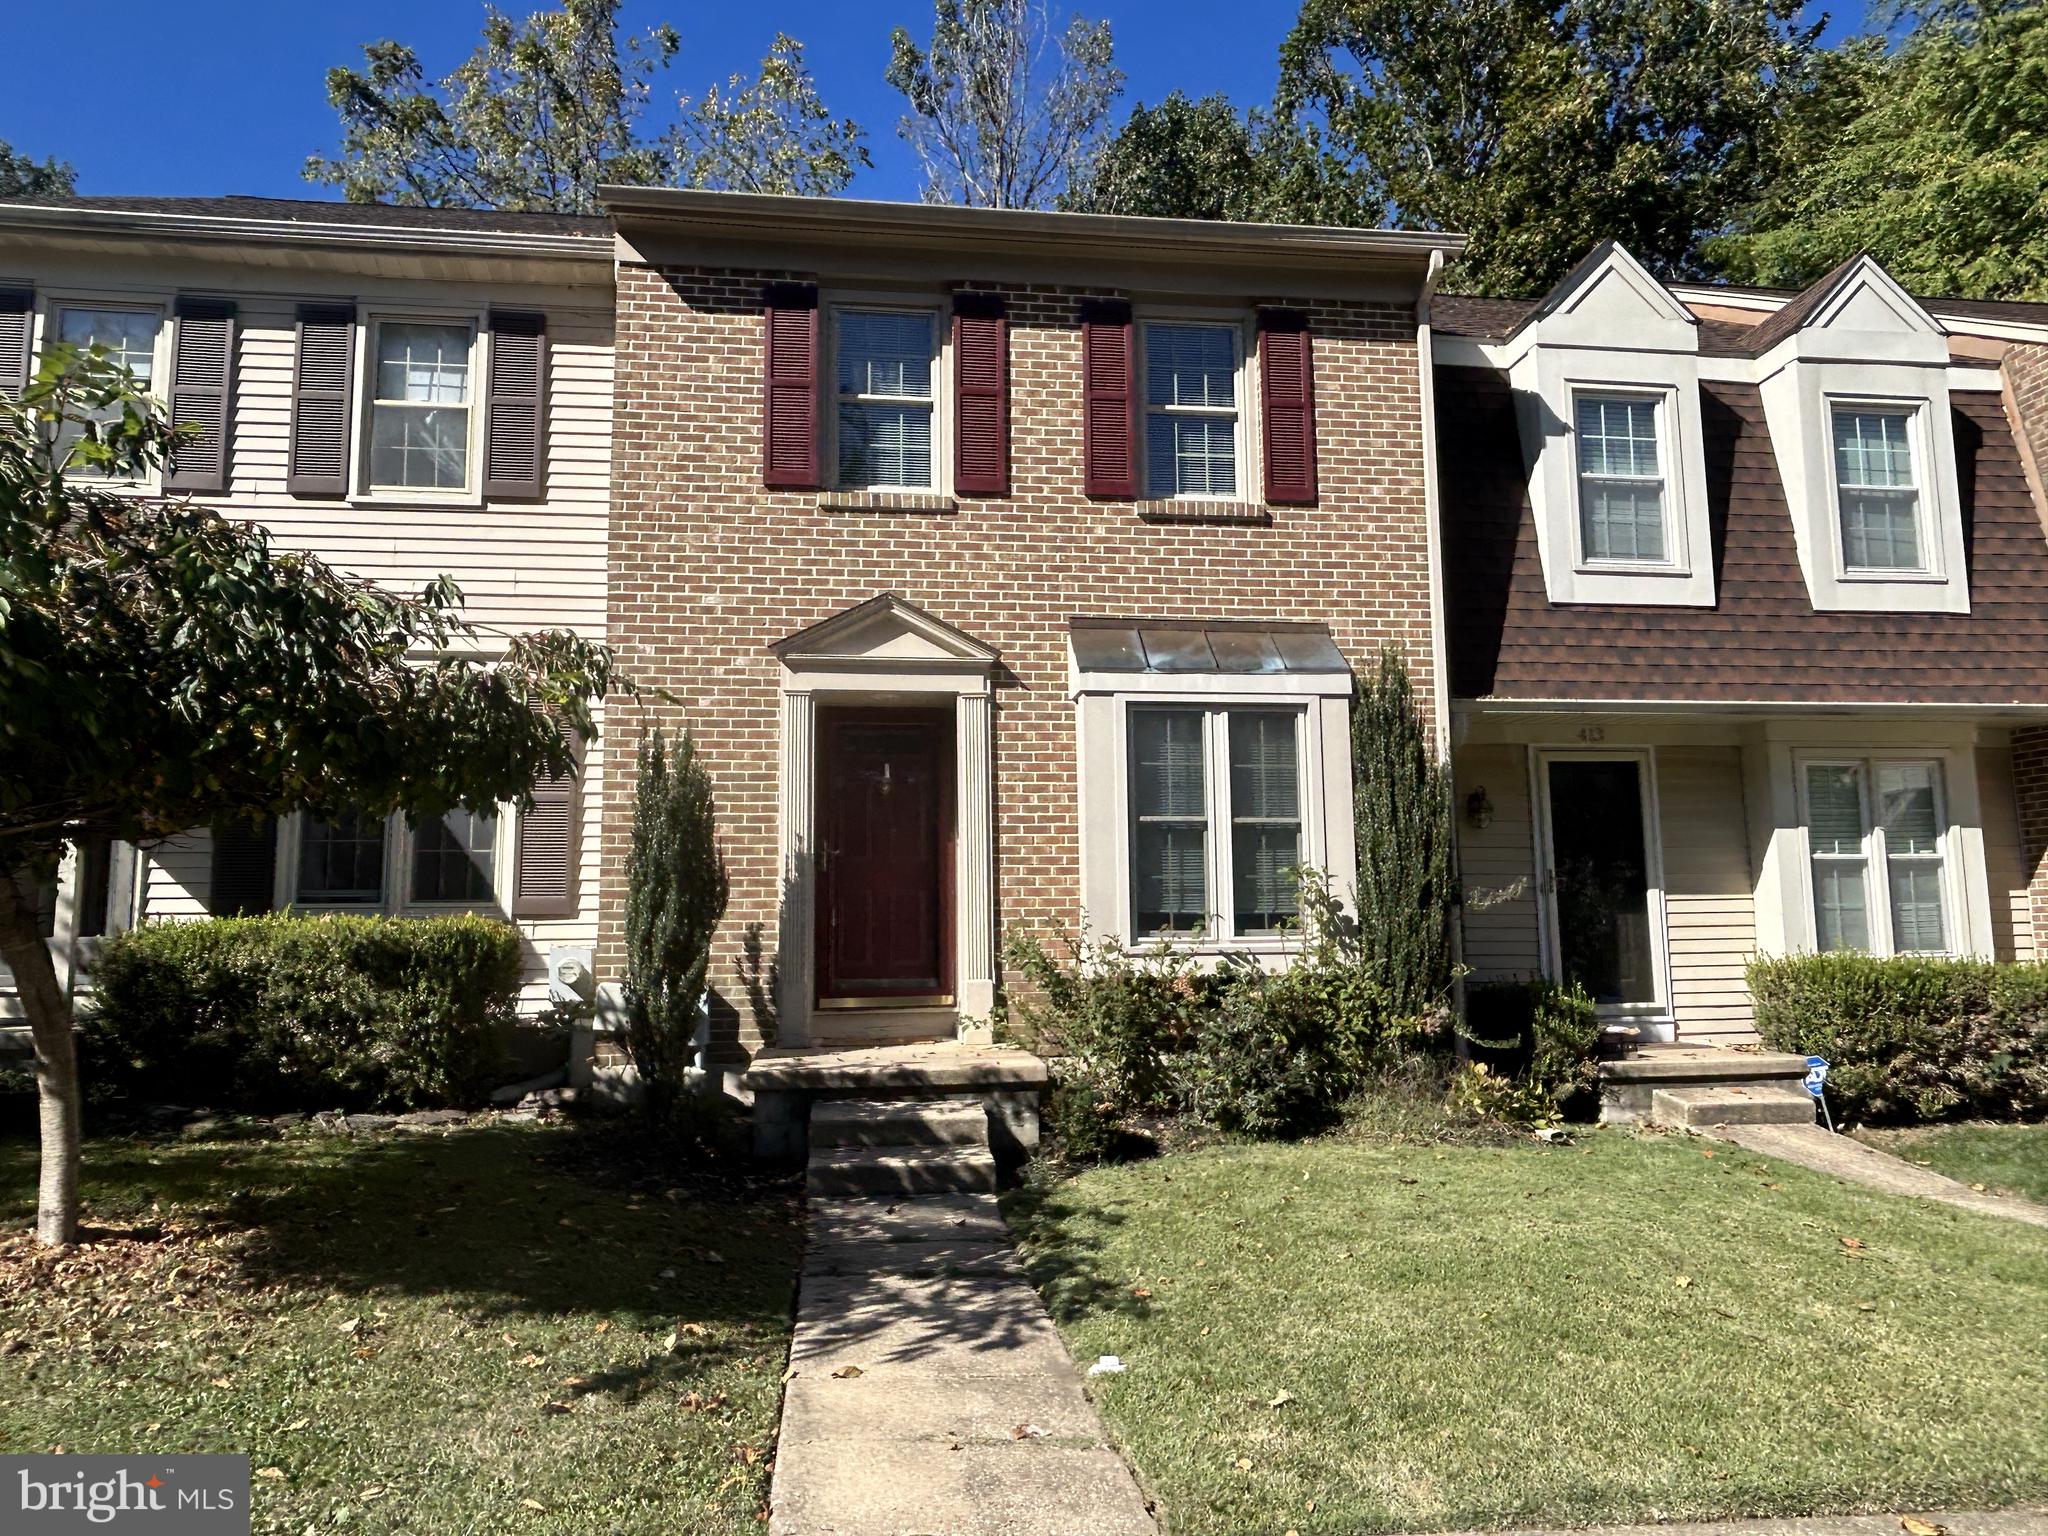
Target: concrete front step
{"type": "Point", "coordinates": [898, 1123]}
{"type": "Point", "coordinates": [1628, 1085]}
{"type": "Point", "coordinates": [943, 1170]}
{"type": "Point", "coordinates": [1732, 1104]}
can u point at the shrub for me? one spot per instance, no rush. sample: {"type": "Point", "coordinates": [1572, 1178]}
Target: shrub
{"type": "Point", "coordinates": [1120, 1015]}
{"type": "Point", "coordinates": [1537, 1047]}
{"type": "Point", "coordinates": [291, 1012]}
{"type": "Point", "coordinates": [1912, 1038]}
{"type": "Point", "coordinates": [676, 891]}
{"type": "Point", "coordinates": [1081, 1120]}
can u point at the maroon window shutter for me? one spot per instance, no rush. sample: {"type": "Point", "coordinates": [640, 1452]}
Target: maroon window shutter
{"type": "Point", "coordinates": [789, 428]}
{"type": "Point", "coordinates": [1287, 390]}
{"type": "Point", "coordinates": [516, 419]}
{"type": "Point", "coordinates": [1109, 422]}
{"type": "Point", "coordinates": [17, 312]}
{"type": "Point", "coordinates": [981, 395]}
{"type": "Point", "coordinates": [318, 464]}
{"type": "Point", "coordinates": [243, 874]}
{"type": "Point", "coordinates": [202, 389]}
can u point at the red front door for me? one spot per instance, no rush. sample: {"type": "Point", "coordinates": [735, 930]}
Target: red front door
{"type": "Point", "coordinates": [885, 780]}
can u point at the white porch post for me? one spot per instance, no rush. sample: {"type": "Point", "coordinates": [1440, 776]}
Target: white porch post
{"type": "Point", "coordinates": [795, 961]}
{"type": "Point", "coordinates": [974, 854]}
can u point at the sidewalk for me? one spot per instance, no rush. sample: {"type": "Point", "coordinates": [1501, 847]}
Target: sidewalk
{"type": "Point", "coordinates": [1847, 1158]}
{"type": "Point", "coordinates": [929, 1392]}
{"type": "Point", "coordinates": [2011, 1522]}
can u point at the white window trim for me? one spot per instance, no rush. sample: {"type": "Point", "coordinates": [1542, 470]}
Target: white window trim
{"type": "Point", "coordinates": [1664, 413]}
{"type": "Point", "coordinates": [832, 304]}
{"type": "Point", "coordinates": [470, 492]}
{"type": "Point", "coordinates": [1877, 903]}
{"type": "Point", "coordinates": [163, 305]}
{"type": "Point", "coordinates": [396, 899]}
{"type": "Point", "coordinates": [1659, 1009]}
{"type": "Point", "coordinates": [1925, 529]}
{"type": "Point", "coordinates": [1245, 438]}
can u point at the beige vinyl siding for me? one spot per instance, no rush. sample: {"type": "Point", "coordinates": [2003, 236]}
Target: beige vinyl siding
{"type": "Point", "coordinates": [1497, 865]}
{"type": "Point", "coordinates": [2005, 863]}
{"type": "Point", "coordinates": [1709, 902]}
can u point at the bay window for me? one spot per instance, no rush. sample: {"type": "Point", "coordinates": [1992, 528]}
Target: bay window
{"type": "Point", "coordinates": [1876, 849]}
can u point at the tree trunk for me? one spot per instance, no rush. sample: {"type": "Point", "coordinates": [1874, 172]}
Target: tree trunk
{"type": "Point", "coordinates": [49, 1018]}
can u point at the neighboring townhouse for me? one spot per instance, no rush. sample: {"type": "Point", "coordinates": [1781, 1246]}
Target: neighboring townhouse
{"type": "Point", "coordinates": [403, 392]}
{"type": "Point", "coordinates": [1010, 568]}
{"type": "Point", "coordinates": [1748, 630]}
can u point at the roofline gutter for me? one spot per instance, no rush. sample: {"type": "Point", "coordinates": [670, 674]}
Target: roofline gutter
{"type": "Point", "coordinates": [212, 229]}
{"type": "Point", "coordinates": [754, 215]}
{"type": "Point", "coordinates": [1491, 706]}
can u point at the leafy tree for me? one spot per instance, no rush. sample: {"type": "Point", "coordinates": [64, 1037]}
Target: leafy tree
{"type": "Point", "coordinates": [21, 176]}
{"type": "Point", "coordinates": [1933, 158]}
{"type": "Point", "coordinates": [163, 668]}
{"type": "Point", "coordinates": [991, 127]}
{"type": "Point", "coordinates": [771, 134]}
{"type": "Point", "coordinates": [1541, 128]}
{"type": "Point", "coordinates": [547, 110]}
{"type": "Point", "coordinates": [1401, 800]}
{"type": "Point", "coordinates": [676, 891]}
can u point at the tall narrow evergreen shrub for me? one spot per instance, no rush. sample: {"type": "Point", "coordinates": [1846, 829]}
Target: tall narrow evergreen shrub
{"type": "Point", "coordinates": [1402, 805]}
{"type": "Point", "coordinates": [676, 891]}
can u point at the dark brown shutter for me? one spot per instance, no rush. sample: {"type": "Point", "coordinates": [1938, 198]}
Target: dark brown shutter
{"type": "Point", "coordinates": [516, 426]}
{"type": "Point", "coordinates": [17, 316]}
{"type": "Point", "coordinates": [981, 395]}
{"type": "Point", "coordinates": [1287, 394]}
{"type": "Point", "coordinates": [544, 881]}
{"type": "Point", "coordinates": [320, 391]}
{"type": "Point", "coordinates": [789, 429]}
{"type": "Point", "coordinates": [202, 391]}
{"type": "Point", "coordinates": [244, 878]}
{"type": "Point", "coordinates": [1109, 422]}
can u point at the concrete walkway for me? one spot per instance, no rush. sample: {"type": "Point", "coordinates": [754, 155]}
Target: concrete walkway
{"type": "Point", "coordinates": [2006, 1522]}
{"type": "Point", "coordinates": [1847, 1158]}
{"type": "Point", "coordinates": [929, 1393]}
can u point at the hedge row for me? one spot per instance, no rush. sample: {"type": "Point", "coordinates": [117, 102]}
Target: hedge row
{"type": "Point", "coordinates": [287, 1012]}
{"type": "Point", "coordinates": [1912, 1039]}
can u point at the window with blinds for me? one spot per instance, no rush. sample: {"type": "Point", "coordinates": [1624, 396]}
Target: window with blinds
{"type": "Point", "coordinates": [1874, 839]}
{"type": "Point", "coordinates": [885, 364]}
{"type": "Point", "coordinates": [1621, 479]}
{"type": "Point", "coordinates": [1875, 488]}
{"type": "Point", "coordinates": [1215, 806]}
{"type": "Point", "coordinates": [1191, 409]}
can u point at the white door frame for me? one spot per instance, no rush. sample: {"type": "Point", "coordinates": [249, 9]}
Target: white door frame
{"type": "Point", "coordinates": [1655, 1017]}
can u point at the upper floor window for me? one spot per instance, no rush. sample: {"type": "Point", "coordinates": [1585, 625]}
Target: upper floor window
{"type": "Point", "coordinates": [1876, 489]}
{"type": "Point", "coordinates": [127, 336]}
{"type": "Point", "coordinates": [1621, 479]}
{"type": "Point", "coordinates": [886, 368]}
{"type": "Point", "coordinates": [1192, 410]}
{"type": "Point", "coordinates": [420, 396]}
{"type": "Point", "coordinates": [1874, 836]}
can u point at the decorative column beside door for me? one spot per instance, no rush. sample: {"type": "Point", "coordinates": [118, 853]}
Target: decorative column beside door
{"type": "Point", "coordinates": [974, 851]}
{"type": "Point", "coordinates": [795, 960]}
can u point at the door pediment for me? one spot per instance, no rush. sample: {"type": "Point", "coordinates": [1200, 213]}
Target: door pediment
{"type": "Point", "coordinates": [885, 634]}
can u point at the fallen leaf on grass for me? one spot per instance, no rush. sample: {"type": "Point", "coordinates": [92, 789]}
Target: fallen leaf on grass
{"type": "Point", "coordinates": [847, 1373]}
{"type": "Point", "coordinates": [1914, 1526]}
{"type": "Point", "coordinates": [696, 1330]}
{"type": "Point", "coordinates": [509, 1339]}
{"type": "Point", "coordinates": [356, 1322]}
{"type": "Point", "coordinates": [222, 1382]}
{"type": "Point", "coordinates": [1243, 1463]}
{"type": "Point", "coordinates": [291, 1429]}
{"type": "Point", "coordinates": [529, 1361]}
{"type": "Point", "coordinates": [1280, 1399]}
{"type": "Point", "coordinates": [1143, 1293]}
{"type": "Point", "coordinates": [533, 1504]}
{"type": "Point", "coordinates": [1681, 1281]}
{"type": "Point", "coordinates": [557, 1407]}
{"type": "Point", "coordinates": [270, 1472]}
{"type": "Point", "coordinates": [374, 1491]}
{"type": "Point", "coordinates": [1979, 1188]}
{"type": "Point", "coordinates": [576, 1383]}
{"type": "Point", "coordinates": [1853, 1244]}
{"type": "Point", "coordinates": [605, 1326]}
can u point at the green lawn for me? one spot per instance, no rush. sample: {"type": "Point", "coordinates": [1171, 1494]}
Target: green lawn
{"type": "Point", "coordinates": [2006, 1159]}
{"type": "Point", "coordinates": [502, 1329]}
{"type": "Point", "coordinates": [1338, 1337]}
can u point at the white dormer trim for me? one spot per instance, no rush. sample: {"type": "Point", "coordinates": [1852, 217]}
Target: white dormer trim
{"type": "Point", "coordinates": [1867, 343]}
{"type": "Point", "coordinates": [1610, 328]}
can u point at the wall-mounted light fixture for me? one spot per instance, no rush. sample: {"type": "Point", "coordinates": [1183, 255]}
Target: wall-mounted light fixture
{"type": "Point", "coordinates": [1479, 809]}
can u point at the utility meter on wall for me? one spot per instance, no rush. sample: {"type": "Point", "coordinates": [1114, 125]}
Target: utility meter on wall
{"type": "Point", "coordinates": [572, 978]}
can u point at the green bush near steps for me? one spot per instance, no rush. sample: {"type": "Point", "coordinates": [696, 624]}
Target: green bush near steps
{"type": "Point", "coordinates": [1912, 1039]}
{"type": "Point", "coordinates": [287, 1012]}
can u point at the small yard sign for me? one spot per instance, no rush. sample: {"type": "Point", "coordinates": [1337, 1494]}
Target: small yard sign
{"type": "Point", "coordinates": [1816, 1074]}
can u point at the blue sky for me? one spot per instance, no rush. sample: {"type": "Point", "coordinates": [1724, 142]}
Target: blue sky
{"type": "Point", "coordinates": [231, 99]}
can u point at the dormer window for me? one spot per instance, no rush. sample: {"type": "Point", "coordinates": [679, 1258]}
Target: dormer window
{"type": "Point", "coordinates": [1621, 480]}
{"type": "Point", "coordinates": [1876, 489]}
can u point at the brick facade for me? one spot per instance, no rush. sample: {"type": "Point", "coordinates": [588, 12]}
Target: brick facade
{"type": "Point", "coordinates": [707, 569]}
{"type": "Point", "coordinates": [2030, 794]}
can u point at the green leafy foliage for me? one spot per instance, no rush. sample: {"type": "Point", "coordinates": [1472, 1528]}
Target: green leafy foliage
{"type": "Point", "coordinates": [21, 176]}
{"type": "Point", "coordinates": [1931, 157]}
{"type": "Point", "coordinates": [1401, 797]}
{"type": "Point", "coordinates": [991, 124]}
{"type": "Point", "coordinates": [1912, 1038]}
{"type": "Point", "coordinates": [288, 1012]}
{"type": "Point", "coordinates": [1540, 129]}
{"type": "Point", "coordinates": [676, 892]}
{"type": "Point", "coordinates": [1534, 1050]}
{"type": "Point", "coordinates": [1118, 1015]}
{"type": "Point", "coordinates": [769, 134]}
